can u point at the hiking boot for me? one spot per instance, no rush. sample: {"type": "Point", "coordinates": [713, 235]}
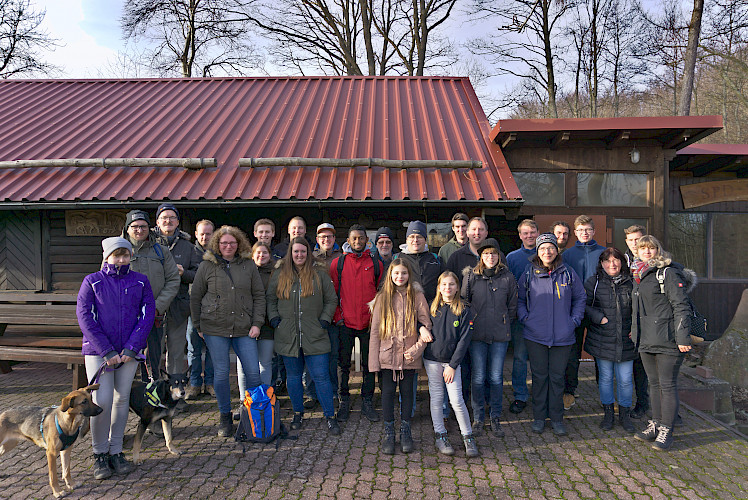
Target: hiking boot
{"type": "Point", "coordinates": [477, 427]}
{"type": "Point", "coordinates": [101, 468]}
{"type": "Point", "coordinates": [238, 413]}
{"type": "Point", "coordinates": [558, 428]}
{"type": "Point", "coordinates": [192, 392]}
{"type": "Point", "coordinates": [517, 406]}
{"type": "Point", "coordinates": [649, 433]}
{"type": "Point", "coordinates": [119, 464]}
{"type": "Point", "coordinates": [471, 447]}
{"type": "Point", "coordinates": [296, 422]}
{"type": "Point", "coordinates": [569, 401]}
{"type": "Point", "coordinates": [388, 438]}
{"type": "Point", "coordinates": [332, 426]}
{"type": "Point", "coordinates": [624, 417]}
{"type": "Point", "coordinates": [496, 427]}
{"type": "Point", "coordinates": [639, 411]}
{"type": "Point", "coordinates": [664, 439]}
{"type": "Point", "coordinates": [538, 426]}
{"type": "Point", "coordinates": [406, 440]}
{"type": "Point", "coordinates": [442, 444]}
{"type": "Point", "coordinates": [226, 426]}
{"type": "Point", "coordinates": [210, 391]}
{"type": "Point", "coordinates": [344, 410]}
{"type": "Point", "coordinates": [608, 419]}
{"type": "Point", "coordinates": [367, 408]}
{"type": "Point", "coordinates": [309, 403]}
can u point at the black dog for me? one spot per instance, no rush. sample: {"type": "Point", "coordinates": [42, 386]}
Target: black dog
{"type": "Point", "coordinates": [154, 402]}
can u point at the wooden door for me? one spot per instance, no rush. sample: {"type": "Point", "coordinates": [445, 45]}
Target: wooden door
{"type": "Point", "coordinates": [20, 250]}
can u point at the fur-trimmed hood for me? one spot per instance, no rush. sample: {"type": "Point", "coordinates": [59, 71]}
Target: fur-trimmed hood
{"type": "Point", "coordinates": [211, 257]}
{"type": "Point", "coordinates": [691, 279]}
{"type": "Point", "coordinates": [470, 269]}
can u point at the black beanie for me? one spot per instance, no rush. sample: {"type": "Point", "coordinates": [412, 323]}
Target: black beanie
{"type": "Point", "coordinates": [134, 215]}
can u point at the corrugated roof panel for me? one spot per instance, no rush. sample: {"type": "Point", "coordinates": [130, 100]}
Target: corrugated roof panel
{"type": "Point", "coordinates": [430, 118]}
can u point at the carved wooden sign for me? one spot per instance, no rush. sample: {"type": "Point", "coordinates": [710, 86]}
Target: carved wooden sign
{"type": "Point", "coordinates": [704, 193]}
{"type": "Point", "coordinates": [94, 222]}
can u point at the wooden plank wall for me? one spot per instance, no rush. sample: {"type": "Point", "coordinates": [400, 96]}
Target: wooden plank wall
{"type": "Point", "coordinates": [718, 301]}
{"type": "Point", "coordinates": [71, 258]}
{"type": "Point", "coordinates": [675, 200]}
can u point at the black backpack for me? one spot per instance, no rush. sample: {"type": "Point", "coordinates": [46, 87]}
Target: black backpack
{"type": "Point", "coordinates": [698, 329]}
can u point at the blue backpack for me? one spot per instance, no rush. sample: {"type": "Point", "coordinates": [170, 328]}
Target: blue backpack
{"type": "Point", "coordinates": [260, 416]}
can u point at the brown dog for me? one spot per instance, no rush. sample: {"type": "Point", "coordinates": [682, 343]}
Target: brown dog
{"type": "Point", "coordinates": [40, 426]}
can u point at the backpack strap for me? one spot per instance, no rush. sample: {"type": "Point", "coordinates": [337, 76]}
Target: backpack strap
{"type": "Point", "coordinates": [157, 249]}
{"type": "Point", "coordinates": [661, 278]}
{"type": "Point", "coordinates": [375, 259]}
{"type": "Point", "coordinates": [340, 273]}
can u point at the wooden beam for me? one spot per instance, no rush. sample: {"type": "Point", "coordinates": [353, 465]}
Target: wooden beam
{"type": "Point", "coordinates": [561, 137]}
{"type": "Point", "coordinates": [618, 139]}
{"type": "Point", "coordinates": [679, 141]}
{"type": "Point", "coordinates": [188, 163]}
{"type": "Point", "coordinates": [510, 138]}
{"type": "Point", "coordinates": [356, 162]}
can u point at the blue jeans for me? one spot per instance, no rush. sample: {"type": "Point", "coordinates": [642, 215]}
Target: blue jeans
{"type": "Point", "coordinates": [624, 373]}
{"type": "Point", "coordinates": [487, 360]}
{"type": "Point", "coordinates": [265, 353]}
{"type": "Point", "coordinates": [333, 331]}
{"type": "Point", "coordinates": [195, 346]}
{"type": "Point", "coordinates": [245, 348]}
{"type": "Point", "coordinates": [519, 363]}
{"type": "Point", "coordinates": [318, 365]}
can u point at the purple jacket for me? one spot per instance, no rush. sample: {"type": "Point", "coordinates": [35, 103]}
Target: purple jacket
{"type": "Point", "coordinates": [115, 311]}
{"type": "Point", "coordinates": [552, 306]}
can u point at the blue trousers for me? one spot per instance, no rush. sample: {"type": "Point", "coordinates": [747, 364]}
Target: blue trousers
{"type": "Point", "coordinates": [624, 380]}
{"type": "Point", "coordinates": [487, 361]}
{"type": "Point", "coordinates": [245, 348]}
{"type": "Point", "coordinates": [318, 365]}
{"type": "Point", "coordinates": [195, 347]}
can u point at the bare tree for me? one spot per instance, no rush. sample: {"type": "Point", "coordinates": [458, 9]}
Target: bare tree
{"type": "Point", "coordinates": [21, 40]}
{"type": "Point", "coordinates": [694, 31]}
{"type": "Point", "coordinates": [622, 26]}
{"type": "Point", "coordinates": [192, 36]}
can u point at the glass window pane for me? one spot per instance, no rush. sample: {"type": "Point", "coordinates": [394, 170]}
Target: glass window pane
{"type": "Point", "coordinates": [730, 243]}
{"type": "Point", "coordinates": [541, 188]}
{"type": "Point", "coordinates": [611, 189]}
{"type": "Point", "coordinates": [619, 237]}
{"type": "Point", "coordinates": [687, 235]}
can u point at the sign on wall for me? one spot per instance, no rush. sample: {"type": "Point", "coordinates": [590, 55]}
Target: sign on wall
{"type": "Point", "coordinates": [94, 222]}
{"type": "Point", "coordinates": [704, 193]}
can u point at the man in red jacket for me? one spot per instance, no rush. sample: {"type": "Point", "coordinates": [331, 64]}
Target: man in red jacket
{"type": "Point", "coordinates": [356, 282]}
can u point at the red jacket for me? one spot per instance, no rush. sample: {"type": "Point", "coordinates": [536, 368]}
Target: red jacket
{"type": "Point", "coordinates": [359, 288]}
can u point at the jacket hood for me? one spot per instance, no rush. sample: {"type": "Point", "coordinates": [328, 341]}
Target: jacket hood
{"type": "Point", "coordinates": [279, 262]}
{"type": "Point", "coordinates": [469, 269]}
{"type": "Point", "coordinates": [691, 279]}
{"type": "Point", "coordinates": [211, 257]}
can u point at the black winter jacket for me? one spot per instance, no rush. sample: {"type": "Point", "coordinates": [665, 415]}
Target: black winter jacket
{"type": "Point", "coordinates": [427, 268]}
{"type": "Point", "coordinates": [607, 299]}
{"type": "Point", "coordinates": [184, 254]}
{"type": "Point", "coordinates": [452, 335]}
{"type": "Point", "coordinates": [494, 302]}
{"type": "Point", "coordinates": [662, 322]}
{"type": "Point", "coordinates": [464, 257]}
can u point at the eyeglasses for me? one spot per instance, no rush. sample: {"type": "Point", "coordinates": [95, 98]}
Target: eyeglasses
{"type": "Point", "coordinates": [168, 218]}
{"type": "Point", "coordinates": [139, 227]}
{"type": "Point", "coordinates": [584, 230]}
{"type": "Point", "coordinates": [228, 243]}
{"type": "Point", "coordinates": [325, 236]}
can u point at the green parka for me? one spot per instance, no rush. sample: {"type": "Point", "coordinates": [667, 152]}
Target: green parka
{"type": "Point", "coordinates": [227, 305]}
{"type": "Point", "coordinates": [159, 266]}
{"type": "Point", "coordinates": [300, 316]}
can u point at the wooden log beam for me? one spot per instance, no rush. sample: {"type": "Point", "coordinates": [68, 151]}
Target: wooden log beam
{"type": "Point", "coordinates": [560, 138]}
{"type": "Point", "coordinates": [356, 162]}
{"type": "Point", "coordinates": [188, 163]}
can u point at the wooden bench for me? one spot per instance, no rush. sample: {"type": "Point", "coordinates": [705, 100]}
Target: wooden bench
{"type": "Point", "coordinates": [41, 327]}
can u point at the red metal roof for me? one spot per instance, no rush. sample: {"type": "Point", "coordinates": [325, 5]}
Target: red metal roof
{"type": "Point", "coordinates": [703, 159]}
{"type": "Point", "coordinates": [420, 118]}
{"type": "Point", "coordinates": [669, 132]}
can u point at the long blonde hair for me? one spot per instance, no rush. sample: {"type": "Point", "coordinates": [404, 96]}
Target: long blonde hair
{"type": "Point", "coordinates": [385, 297]}
{"type": "Point", "coordinates": [662, 258]}
{"type": "Point", "coordinates": [457, 305]}
{"type": "Point", "coordinates": [287, 273]}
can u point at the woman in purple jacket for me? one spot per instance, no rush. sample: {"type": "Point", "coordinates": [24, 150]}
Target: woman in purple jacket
{"type": "Point", "coordinates": [550, 305]}
{"type": "Point", "coordinates": [115, 313]}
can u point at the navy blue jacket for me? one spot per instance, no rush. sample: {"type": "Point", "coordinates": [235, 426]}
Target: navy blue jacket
{"type": "Point", "coordinates": [519, 260]}
{"type": "Point", "coordinates": [452, 335]}
{"type": "Point", "coordinates": [583, 258]}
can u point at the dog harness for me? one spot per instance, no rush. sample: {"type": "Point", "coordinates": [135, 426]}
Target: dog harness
{"type": "Point", "coordinates": [152, 396]}
{"type": "Point", "coordinates": [67, 440]}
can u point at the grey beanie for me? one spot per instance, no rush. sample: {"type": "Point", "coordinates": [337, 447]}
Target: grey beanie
{"type": "Point", "coordinates": [416, 227]}
{"type": "Point", "coordinates": [109, 245]}
{"type": "Point", "coordinates": [546, 238]}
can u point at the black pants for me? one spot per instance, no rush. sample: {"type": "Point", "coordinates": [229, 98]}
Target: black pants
{"type": "Point", "coordinates": [547, 365]}
{"type": "Point", "coordinates": [152, 354]}
{"type": "Point", "coordinates": [571, 378]}
{"type": "Point", "coordinates": [641, 383]}
{"type": "Point", "coordinates": [662, 370]}
{"type": "Point", "coordinates": [347, 341]}
{"type": "Point", "coordinates": [389, 387]}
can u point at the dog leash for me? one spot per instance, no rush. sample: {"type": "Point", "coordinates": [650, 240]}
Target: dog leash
{"type": "Point", "coordinates": [104, 367]}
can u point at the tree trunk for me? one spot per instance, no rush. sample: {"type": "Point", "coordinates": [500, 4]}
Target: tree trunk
{"type": "Point", "coordinates": [689, 70]}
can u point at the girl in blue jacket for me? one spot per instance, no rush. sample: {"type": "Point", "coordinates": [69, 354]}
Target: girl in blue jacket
{"type": "Point", "coordinates": [451, 326]}
{"type": "Point", "coordinates": [550, 305]}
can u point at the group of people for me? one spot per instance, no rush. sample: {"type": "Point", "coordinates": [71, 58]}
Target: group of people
{"type": "Point", "coordinates": [298, 306]}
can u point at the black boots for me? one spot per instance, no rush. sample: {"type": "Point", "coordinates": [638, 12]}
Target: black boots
{"type": "Point", "coordinates": [344, 410]}
{"type": "Point", "coordinates": [226, 426]}
{"type": "Point", "coordinates": [406, 440]}
{"type": "Point", "coordinates": [101, 468]}
{"type": "Point", "coordinates": [609, 418]}
{"type": "Point", "coordinates": [388, 438]}
{"type": "Point", "coordinates": [624, 417]}
{"type": "Point", "coordinates": [367, 408]}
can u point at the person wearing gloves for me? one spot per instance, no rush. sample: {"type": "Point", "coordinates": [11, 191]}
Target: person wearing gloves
{"type": "Point", "coordinates": [550, 305]}
{"type": "Point", "coordinates": [155, 261]}
{"type": "Point", "coordinates": [115, 312]}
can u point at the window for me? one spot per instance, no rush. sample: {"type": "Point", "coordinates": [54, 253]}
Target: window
{"type": "Point", "coordinates": [687, 240]}
{"type": "Point", "coordinates": [541, 188]}
{"type": "Point", "coordinates": [596, 190]}
{"type": "Point", "coordinates": [730, 243]}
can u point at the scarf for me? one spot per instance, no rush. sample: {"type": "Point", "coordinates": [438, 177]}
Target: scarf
{"type": "Point", "coordinates": [639, 268]}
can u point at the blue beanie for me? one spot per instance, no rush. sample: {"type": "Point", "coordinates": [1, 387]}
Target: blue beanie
{"type": "Point", "coordinates": [416, 227]}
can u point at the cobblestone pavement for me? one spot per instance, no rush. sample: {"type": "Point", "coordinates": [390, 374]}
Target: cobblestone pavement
{"type": "Point", "coordinates": [705, 462]}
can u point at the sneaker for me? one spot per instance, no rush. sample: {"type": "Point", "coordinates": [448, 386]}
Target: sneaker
{"type": "Point", "coordinates": [193, 392]}
{"type": "Point", "coordinates": [210, 391]}
{"type": "Point", "coordinates": [517, 406]}
{"type": "Point", "coordinates": [568, 401]}
{"type": "Point", "coordinates": [296, 422]}
{"type": "Point", "coordinates": [664, 439]}
{"type": "Point", "coordinates": [119, 464]}
{"type": "Point", "coordinates": [477, 427]}
{"type": "Point", "coordinates": [102, 469]}
{"type": "Point", "coordinates": [538, 426]}
{"type": "Point", "coordinates": [442, 444]}
{"type": "Point", "coordinates": [559, 429]}
{"type": "Point", "coordinates": [471, 447]}
{"type": "Point", "coordinates": [332, 426]}
{"type": "Point", "coordinates": [367, 408]}
{"type": "Point", "coordinates": [649, 433]}
{"type": "Point", "coordinates": [309, 403]}
{"type": "Point", "coordinates": [496, 427]}
{"type": "Point", "coordinates": [344, 408]}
